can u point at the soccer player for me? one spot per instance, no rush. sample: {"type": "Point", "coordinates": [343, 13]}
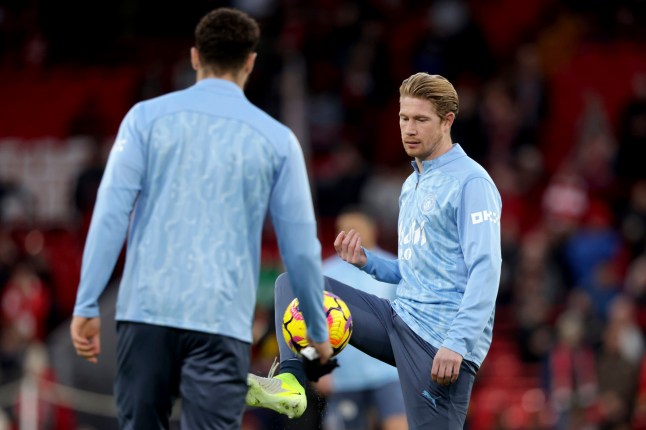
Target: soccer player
{"type": "Point", "coordinates": [189, 180]}
{"type": "Point", "coordinates": [438, 329]}
{"type": "Point", "coordinates": [361, 385]}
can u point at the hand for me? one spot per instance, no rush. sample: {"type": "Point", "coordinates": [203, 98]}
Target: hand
{"type": "Point", "coordinates": [86, 337]}
{"type": "Point", "coordinates": [446, 366]}
{"type": "Point", "coordinates": [319, 363]}
{"type": "Point", "coordinates": [348, 247]}
{"type": "Point", "coordinates": [324, 350]}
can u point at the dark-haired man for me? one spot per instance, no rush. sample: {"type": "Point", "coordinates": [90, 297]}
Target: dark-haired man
{"type": "Point", "coordinates": [190, 179]}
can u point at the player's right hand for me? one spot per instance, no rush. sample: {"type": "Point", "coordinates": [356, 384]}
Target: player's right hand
{"type": "Point", "coordinates": [324, 350]}
{"type": "Point", "coordinates": [348, 247]}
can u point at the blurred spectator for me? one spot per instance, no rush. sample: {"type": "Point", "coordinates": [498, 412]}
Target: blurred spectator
{"type": "Point", "coordinates": [25, 305]}
{"type": "Point", "coordinates": [24, 309]}
{"type": "Point", "coordinates": [572, 373]}
{"type": "Point", "coordinates": [595, 150]}
{"type": "Point", "coordinates": [622, 324]}
{"type": "Point", "coordinates": [501, 119]}
{"type": "Point", "coordinates": [531, 93]}
{"type": "Point", "coordinates": [565, 201]}
{"type": "Point", "coordinates": [623, 349]}
{"type": "Point", "coordinates": [579, 302]}
{"type": "Point", "coordinates": [633, 222]}
{"type": "Point", "coordinates": [636, 282]}
{"type": "Point", "coordinates": [534, 333]}
{"type": "Point", "coordinates": [593, 256]}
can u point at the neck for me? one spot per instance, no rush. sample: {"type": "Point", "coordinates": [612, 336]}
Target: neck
{"type": "Point", "coordinates": [440, 150]}
{"type": "Point", "coordinates": [239, 78]}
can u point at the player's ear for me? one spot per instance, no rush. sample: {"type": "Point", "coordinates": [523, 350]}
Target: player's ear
{"type": "Point", "coordinates": [250, 62]}
{"type": "Point", "coordinates": [447, 122]}
{"type": "Point", "coordinates": [195, 58]}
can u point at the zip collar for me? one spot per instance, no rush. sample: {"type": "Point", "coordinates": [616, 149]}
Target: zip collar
{"type": "Point", "coordinates": [452, 154]}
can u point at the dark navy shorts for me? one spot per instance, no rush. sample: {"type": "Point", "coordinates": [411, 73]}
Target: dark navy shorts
{"type": "Point", "coordinates": [379, 332]}
{"type": "Point", "coordinates": [351, 410]}
{"type": "Point", "coordinates": [156, 365]}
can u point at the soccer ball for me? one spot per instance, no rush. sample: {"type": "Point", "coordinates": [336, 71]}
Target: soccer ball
{"type": "Point", "coordinates": [339, 324]}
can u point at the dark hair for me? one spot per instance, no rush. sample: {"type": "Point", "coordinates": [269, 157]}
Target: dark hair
{"type": "Point", "coordinates": [224, 39]}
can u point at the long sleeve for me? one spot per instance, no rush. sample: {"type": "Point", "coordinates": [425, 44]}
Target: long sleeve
{"type": "Point", "coordinates": [382, 269]}
{"type": "Point", "coordinates": [479, 235]}
{"type": "Point", "coordinates": [116, 197]}
{"type": "Point", "coordinates": [292, 215]}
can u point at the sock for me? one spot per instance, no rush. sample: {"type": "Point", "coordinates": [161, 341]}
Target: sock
{"type": "Point", "coordinates": [295, 367]}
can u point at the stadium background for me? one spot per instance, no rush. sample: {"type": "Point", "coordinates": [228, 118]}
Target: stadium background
{"type": "Point", "coordinates": [553, 103]}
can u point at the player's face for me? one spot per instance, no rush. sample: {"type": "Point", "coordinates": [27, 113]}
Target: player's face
{"type": "Point", "coordinates": [424, 134]}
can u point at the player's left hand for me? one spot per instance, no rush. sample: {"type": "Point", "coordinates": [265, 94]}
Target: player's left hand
{"type": "Point", "coordinates": [446, 366]}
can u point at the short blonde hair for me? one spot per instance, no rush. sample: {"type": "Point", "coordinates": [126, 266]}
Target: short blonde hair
{"type": "Point", "coordinates": [434, 88]}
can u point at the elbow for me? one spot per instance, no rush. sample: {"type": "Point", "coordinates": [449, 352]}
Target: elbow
{"type": "Point", "coordinates": [303, 258]}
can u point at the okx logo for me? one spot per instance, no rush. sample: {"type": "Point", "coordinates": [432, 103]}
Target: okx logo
{"type": "Point", "coordinates": [483, 216]}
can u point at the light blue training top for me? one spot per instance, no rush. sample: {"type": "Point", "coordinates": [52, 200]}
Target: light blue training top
{"type": "Point", "coordinates": [449, 257]}
{"type": "Point", "coordinates": [359, 371]}
{"type": "Point", "coordinates": [189, 181]}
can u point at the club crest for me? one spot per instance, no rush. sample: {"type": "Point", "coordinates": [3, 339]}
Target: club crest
{"type": "Point", "coordinates": [428, 203]}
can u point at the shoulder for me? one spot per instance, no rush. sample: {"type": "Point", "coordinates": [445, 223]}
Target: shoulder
{"type": "Point", "coordinates": [266, 122]}
{"type": "Point", "coordinates": [275, 132]}
{"type": "Point", "coordinates": [466, 169]}
{"type": "Point", "coordinates": [148, 110]}
{"type": "Point", "coordinates": [237, 109]}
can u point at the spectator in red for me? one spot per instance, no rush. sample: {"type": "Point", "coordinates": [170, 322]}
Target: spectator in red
{"type": "Point", "coordinates": [25, 305]}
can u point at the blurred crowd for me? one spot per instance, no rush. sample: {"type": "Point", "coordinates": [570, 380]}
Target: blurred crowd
{"type": "Point", "coordinates": [552, 103]}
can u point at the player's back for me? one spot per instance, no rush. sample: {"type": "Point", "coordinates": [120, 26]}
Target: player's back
{"type": "Point", "coordinates": [193, 251]}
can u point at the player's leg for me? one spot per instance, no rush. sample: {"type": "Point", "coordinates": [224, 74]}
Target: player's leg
{"type": "Point", "coordinates": [428, 404]}
{"type": "Point", "coordinates": [389, 403]}
{"type": "Point", "coordinates": [371, 320]}
{"type": "Point", "coordinates": [147, 375]}
{"type": "Point", "coordinates": [214, 381]}
{"type": "Point", "coordinates": [371, 317]}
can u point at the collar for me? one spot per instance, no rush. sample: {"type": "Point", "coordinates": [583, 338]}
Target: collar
{"type": "Point", "coordinates": [452, 154]}
{"type": "Point", "coordinates": [222, 86]}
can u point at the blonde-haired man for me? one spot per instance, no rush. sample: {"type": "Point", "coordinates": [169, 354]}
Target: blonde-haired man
{"type": "Point", "coordinates": [438, 329]}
